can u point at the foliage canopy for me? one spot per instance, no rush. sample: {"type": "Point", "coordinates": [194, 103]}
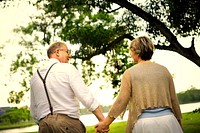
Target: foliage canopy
{"type": "Point", "coordinates": [104, 27]}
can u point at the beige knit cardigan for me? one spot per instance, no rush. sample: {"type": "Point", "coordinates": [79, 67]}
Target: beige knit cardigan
{"type": "Point", "coordinates": [143, 86]}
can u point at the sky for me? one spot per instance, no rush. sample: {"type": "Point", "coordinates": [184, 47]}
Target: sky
{"type": "Point", "coordinates": [185, 72]}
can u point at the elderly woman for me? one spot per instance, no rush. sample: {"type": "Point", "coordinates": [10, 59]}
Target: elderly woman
{"type": "Point", "coordinates": [148, 89]}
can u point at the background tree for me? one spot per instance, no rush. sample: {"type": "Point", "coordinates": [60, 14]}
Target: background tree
{"type": "Point", "coordinates": [104, 27]}
{"type": "Point", "coordinates": [16, 115]}
{"type": "Point", "coordinates": [190, 96]}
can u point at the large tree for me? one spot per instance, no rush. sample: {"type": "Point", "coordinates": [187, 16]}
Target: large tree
{"type": "Point", "coordinates": [103, 27]}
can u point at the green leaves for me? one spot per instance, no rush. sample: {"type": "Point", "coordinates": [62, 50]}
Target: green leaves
{"type": "Point", "coordinates": [24, 60]}
{"type": "Point", "coordinates": [180, 15]}
{"type": "Point", "coordinates": [15, 97]}
{"type": "Point", "coordinates": [23, 66]}
{"type": "Point", "coordinates": [184, 16]}
{"type": "Point", "coordinates": [99, 27]}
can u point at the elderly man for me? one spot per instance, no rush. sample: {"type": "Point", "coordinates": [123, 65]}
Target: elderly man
{"type": "Point", "coordinates": [56, 89]}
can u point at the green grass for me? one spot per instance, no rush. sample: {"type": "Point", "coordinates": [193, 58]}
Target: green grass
{"type": "Point", "coordinates": [190, 121]}
{"type": "Point", "coordinates": [16, 125]}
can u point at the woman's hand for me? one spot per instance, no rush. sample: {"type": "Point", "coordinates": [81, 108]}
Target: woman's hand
{"type": "Point", "coordinates": [101, 127]}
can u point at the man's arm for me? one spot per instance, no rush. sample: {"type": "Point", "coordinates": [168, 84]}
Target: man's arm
{"type": "Point", "coordinates": [98, 113]}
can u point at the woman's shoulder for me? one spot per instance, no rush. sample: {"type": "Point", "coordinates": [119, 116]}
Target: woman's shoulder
{"type": "Point", "coordinates": [147, 66]}
{"type": "Point", "coordinates": [160, 66]}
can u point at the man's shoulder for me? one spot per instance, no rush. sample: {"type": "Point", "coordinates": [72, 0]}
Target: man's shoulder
{"type": "Point", "coordinates": [65, 66]}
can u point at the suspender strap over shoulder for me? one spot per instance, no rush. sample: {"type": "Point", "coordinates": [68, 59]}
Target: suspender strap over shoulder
{"type": "Point", "coordinates": [45, 87]}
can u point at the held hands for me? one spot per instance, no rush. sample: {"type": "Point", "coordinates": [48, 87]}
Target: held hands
{"type": "Point", "coordinates": [101, 128]}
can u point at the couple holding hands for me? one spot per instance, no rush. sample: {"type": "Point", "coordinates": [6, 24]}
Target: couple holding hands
{"type": "Point", "coordinates": [147, 91]}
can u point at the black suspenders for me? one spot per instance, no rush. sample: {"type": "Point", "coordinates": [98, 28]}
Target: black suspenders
{"type": "Point", "coordinates": [45, 87]}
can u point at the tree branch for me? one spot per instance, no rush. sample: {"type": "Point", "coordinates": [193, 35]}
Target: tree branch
{"type": "Point", "coordinates": [106, 47]}
{"type": "Point", "coordinates": [189, 53]}
{"type": "Point", "coordinates": [114, 10]}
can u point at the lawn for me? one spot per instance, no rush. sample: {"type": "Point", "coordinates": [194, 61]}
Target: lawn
{"type": "Point", "coordinates": [16, 125]}
{"type": "Point", "coordinates": [190, 121]}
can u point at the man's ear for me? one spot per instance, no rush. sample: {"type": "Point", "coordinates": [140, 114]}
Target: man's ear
{"type": "Point", "coordinates": [57, 52]}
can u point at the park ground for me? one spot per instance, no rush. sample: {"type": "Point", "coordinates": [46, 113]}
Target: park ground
{"type": "Point", "coordinates": [190, 122]}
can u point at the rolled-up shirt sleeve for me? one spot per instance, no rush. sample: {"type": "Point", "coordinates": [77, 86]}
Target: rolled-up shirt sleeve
{"type": "Point", "coordinates": [81, 91]}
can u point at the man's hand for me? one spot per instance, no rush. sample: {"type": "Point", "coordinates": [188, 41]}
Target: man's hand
{"type": "Point", "coordinates": [101, 128]}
